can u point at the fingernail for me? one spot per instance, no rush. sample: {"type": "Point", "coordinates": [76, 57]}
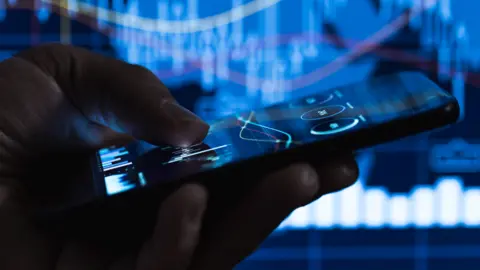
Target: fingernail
{"type": "Point", "coordinates": [348, 171]}
{"type": "Point", "coordinates": [309, 178]}
{"type": "Point", "coordinates": [198, 197]}
{"type": "Point", "coordinates": [190, 125]}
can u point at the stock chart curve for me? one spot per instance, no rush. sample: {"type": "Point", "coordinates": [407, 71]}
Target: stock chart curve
{"type": "Point", "coordinates": [313, 77]}
{"type": "Point", "coordinates": [273, 139]}
{"type": "Point", "coordinates": [132, 20]}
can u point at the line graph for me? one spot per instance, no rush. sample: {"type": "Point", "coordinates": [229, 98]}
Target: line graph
{"type": "Point", "coordinates": [396, 55]}
{"type": "Point", "coordinates": [150, 25]}
{"type": "Point", "coordinates": [362, 48]}
{"type": "Point", "coordinates": [296, 83]}
{"type": "Point", "coordinates": [357, 49]}
{"type": "Point", "coordinates": [283, 84]}
{"type": "Point", "coordinates": [384, 52]}
{"type": "Point", "coordinates": [273, 139]}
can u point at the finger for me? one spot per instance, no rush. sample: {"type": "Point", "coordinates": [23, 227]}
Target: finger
{"type": "Point", "coordinates": [233, 239]}
{"type": "Point", "coordinates": [337, 174]}
{"type": "Point", "coordinates": [126, 98]}
{"type": "Point", "coordinates": [177, 231]}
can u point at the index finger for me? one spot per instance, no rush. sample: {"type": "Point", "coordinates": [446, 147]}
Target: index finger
{"type": "Point", "coordinates": [124, 97]}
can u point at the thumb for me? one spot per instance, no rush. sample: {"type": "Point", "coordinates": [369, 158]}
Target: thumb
{"type": "Point", "coordinates": [125, 98]}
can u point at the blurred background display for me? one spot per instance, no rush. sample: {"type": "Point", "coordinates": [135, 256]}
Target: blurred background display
{"type": "Point", "coordinates": [417, 202]}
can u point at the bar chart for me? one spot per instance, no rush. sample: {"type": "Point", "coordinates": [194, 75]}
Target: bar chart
{"type": "Point", "coordinates": [446, 205]}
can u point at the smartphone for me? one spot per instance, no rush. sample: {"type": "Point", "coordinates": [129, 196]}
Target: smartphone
{"type": "Point", "coordinates": [241, 148]}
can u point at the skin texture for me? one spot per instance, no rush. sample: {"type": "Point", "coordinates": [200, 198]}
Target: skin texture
{"type": "Point", "coordinates": [51, 94]}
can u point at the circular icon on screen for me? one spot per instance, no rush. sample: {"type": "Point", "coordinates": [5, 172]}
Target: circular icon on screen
{"type": "Point", "coordinates": [334, 126]}
{"type": "Point", "coordinates": [323, 112]}
{"type": "Point", "coordinates": [310, 101]}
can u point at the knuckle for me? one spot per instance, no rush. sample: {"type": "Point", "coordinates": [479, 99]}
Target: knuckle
{"type": "Point", "coordinates": [140, 72]}
{"type": "Point", "coordinates": [48, 49]}
{"type": "Point", "coordinates": [144, 76]}
{"type": "Point", "coordinates": [341, 177]}
{"type": "Point", "coordinates": [291, 189]}
{"type": "Point", "coordinates": [53, 59]}
{"type": "Point", "coordinates": [57, 47]}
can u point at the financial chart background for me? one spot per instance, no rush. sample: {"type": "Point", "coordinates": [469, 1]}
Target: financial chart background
{"type": "Point", "coordinates": [417, 202]}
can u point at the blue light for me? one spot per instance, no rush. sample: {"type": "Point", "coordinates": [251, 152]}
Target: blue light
{"type": "Point", "coordinates": [286, 51]}
{"type": "Point", "coordinates": [116, 184]}
{"type": "Point", "coordinates": [3, 11]}
{"type": "Point", "coordinates": [446, 205]}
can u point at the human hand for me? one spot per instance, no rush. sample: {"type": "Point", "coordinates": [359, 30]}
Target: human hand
{"type": "Point", "coordinates": [56, 98]}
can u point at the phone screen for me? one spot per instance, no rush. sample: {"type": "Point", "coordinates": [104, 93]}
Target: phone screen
{"type": "Point", "coordinates": [269, 130]}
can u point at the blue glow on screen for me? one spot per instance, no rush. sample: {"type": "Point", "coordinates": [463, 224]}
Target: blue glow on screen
{"type": "Point", "coordinates": [115, 184]}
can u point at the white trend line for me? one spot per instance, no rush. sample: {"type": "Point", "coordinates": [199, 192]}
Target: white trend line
{"type": "Point", "coordinates": [246, 122]}
{"type": "Point", "coordinates": [118, 166]}
{"type": "Point", "coordinates": [165, 26]}
{"type": "Point", "coordinates": [182, 157]}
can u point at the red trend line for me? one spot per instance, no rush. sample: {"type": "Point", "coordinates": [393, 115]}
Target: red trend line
{"type": "Point", "coordinates": [358, 49]}
{"type": "Point", "coordinates": [381, 51]}
{"type": "Point", "coordinates": [364, 47]}
{"type": "Point", "coordinates": [277, 145]}
{"type": "Point", "coordinates": [308, 79]}
{"type": "Point", "coordinates": [372, 44]}
{"type": "Point", "coordinates": [356, 52]}
{"type": "Point", "coordinates": [242, 125]}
